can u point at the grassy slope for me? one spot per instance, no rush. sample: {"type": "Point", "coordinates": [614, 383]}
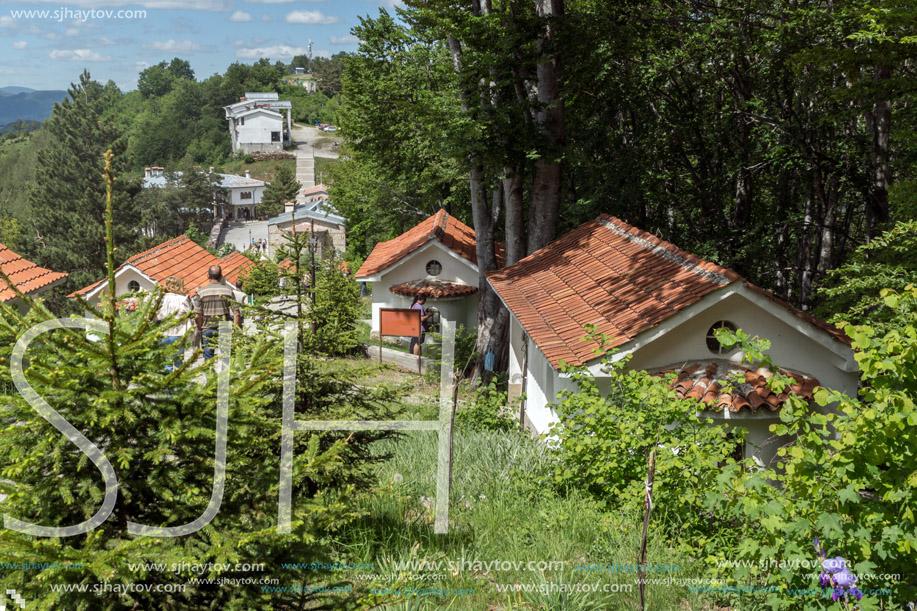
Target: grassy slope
{"type": "Point", "coordinates": [501, 509]}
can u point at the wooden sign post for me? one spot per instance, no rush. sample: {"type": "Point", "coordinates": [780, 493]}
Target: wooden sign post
{"type": "Point", "coordinates": [402, 322]}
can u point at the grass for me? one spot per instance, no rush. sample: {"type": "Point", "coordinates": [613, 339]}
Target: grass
{"type": "Point", "coordinates": [323, 167]}
{"type": "Point", "coordinates": [502, 509]}
{"type": "Point", "coordinates": [261, 170]}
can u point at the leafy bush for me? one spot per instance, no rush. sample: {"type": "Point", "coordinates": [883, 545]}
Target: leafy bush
{"type": "Point", "coordinates": [849, 478]}
{"type": "Point", "coordinates": [605, 438]}
{"type": "Point", "coordinates": [490, 411]}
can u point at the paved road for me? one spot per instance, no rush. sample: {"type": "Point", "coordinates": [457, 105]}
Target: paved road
{"type": "Point", "coordinates": [237, 233]}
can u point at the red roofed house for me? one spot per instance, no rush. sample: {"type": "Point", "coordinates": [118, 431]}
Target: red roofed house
{"type": "Point", "coordinates": [437, 258]}
{"type": "Point", "coordinates": [26, 276]}
{"type": "Point", "coordinates": [661, 305]}
{"type": "Point", "coordinates": [180, 257]}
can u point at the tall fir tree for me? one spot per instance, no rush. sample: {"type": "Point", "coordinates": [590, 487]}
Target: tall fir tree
{"type": "Point", "coordinates": [67, 198]}
{"type": "Point", "coordinates": [282, 189]}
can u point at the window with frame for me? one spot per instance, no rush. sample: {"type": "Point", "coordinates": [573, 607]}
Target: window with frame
{"type": "Point", "coordinates": [275, 136]}
{"type": "Point", "coordinates": [133, 286]}
{"type": "Point", "coordinates": [712, 343]}
{"type": "Point", "coordinates": [434, 268]}
{"type": "Point", "coordinates": [245, 195]}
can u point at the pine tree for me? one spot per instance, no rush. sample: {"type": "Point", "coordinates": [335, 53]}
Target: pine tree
{"type": "Point", "coordinates": [67, 199]}
{"type": "Point", "coordinates": [157, 429]}
{"type": "Point", "coordinates": [282, 189]}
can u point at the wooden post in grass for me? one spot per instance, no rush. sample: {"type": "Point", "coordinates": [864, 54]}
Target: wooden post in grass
{"type": "Point", "coordinates": [648, 508]}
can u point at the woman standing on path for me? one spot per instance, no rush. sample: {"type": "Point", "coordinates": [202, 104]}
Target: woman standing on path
{"type": "Point", "coordinates": [417, 304]}
{"type": "Point", "coordinates": [175, 303]}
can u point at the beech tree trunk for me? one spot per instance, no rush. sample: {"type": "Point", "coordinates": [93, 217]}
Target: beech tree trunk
{"type": "Point", "coordinates": [545, 198]}
{"type": "Point", "coordinates": [877, 213]}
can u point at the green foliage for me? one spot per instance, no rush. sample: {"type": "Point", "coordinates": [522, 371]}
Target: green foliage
{"type": "Point", "coordinates": [849, 477]}
{"type": "Point", "coordinates": [401, 118]}
{"type": "Point", "coordinates": [196, 235]}
{"type": "Point", "coordinates": [282, 189]}
{"type": "Point", "coordinates": [67, 198]}
{"type": "Point", "coordinates": [852, 291]}
{"type": "Point", "coordinates": [490, 411]}
{"type": "Point", "coordinates": [10, 233]}
{"type": "Point", "coordinates": [608, 427]}
{"type": "Point", "coordinates": [336, 312]}
{"type": "Point", "coordinates": [158, 429]}
{"type": "Point", "coordinates": [262, 281]}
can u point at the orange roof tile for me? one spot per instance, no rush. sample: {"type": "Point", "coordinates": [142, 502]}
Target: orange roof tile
{"type": "Point", "coordinates": [183, 258]}
{"type": "Point", "coordinates": [612, 275]}
{"type": "Point", "coordinates": [24, 275]}
{"type": "Point", "coordinates": [723, 385]}
{"type": "Point", "coordinates": [451, 232]}
{"type": "Point", "coordinates": [434, 289]}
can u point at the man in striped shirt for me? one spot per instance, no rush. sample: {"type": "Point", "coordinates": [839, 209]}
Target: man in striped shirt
{"type": "Point", "coordinates": [214, 303]}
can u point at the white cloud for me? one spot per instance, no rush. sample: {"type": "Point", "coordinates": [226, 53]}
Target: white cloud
{"type": "Point", "coordinates": [20, 44]}
{"type": "Point", "coordinates": [275, 52]}
{"type": "Point", "coordinates": [349, 39]}
{"type": "Point", "coordinates": [7, 22]}
{"type": "Point", "coordinates": [175, 46]}
{"type": "Point", "coordinates": [141, 65]}
{"type": "Point", "coordinates": [311, 18]}
{"type": "Point", "coordinates": [196, 5]}
{"type": "Point", "coordinates": [269, 1]}
{"type": "Point", "coordinates": [78, 55]}
{"type": "Point", "coordinates": [241, 17]}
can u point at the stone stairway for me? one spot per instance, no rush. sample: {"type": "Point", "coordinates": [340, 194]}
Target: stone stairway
{"type": "Point", "coordinates": [305, 168]}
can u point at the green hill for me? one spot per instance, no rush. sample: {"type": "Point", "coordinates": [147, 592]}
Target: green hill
{"type": "Point", "coordinates": [27, 105]}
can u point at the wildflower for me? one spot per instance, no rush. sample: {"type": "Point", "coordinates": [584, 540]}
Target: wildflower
{"type": "Point", "coordinates": [837, 594]}
{"type": "Point", "coordinates": [834, 565]}
{"type": "Point", "coordinates": [845, 578]}
{"type": "Point", "coordinates": [856, 592]}
{"type": "Point", "coordinates": [824, 579]}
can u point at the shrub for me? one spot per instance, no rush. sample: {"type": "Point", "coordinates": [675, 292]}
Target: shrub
{"type": "Point", "coordinates": [489, 411]}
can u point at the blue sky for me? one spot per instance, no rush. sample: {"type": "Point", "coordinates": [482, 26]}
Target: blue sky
{"type": "Point", "coordinates": [114, 40]}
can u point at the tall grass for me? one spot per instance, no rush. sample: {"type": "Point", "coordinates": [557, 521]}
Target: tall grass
{"type": "Point", "coordinates": [502, 508]}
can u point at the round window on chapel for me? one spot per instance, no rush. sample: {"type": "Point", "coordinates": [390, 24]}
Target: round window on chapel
{"type": "Point", "coordinates": [133, 286]}
{"type": "Point", "coordinates": [712, 343]}
{"type": "Point", "coordinates": [434, 268]}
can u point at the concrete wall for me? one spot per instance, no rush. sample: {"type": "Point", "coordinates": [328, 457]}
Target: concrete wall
{"type": "Point", "coordinates": [790, 349]}
{"type": "Point", "coordinates": [235, 195]}
{"type": "Point", "coordinates": [255, 134]}
{"type": "Point", "coordinates": [413, 267]}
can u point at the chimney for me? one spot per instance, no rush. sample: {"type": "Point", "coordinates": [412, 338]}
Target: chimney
{"type": "Point", "coordinates": [248, 173]}
{"type": "Point", "coordinates": [211, 169]}
{"type": "Point", "coordinates": [147, 172]}
{"type": "Point", "coordinates": [288, 207]}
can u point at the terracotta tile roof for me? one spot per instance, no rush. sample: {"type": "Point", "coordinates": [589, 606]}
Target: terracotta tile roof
{"type": "Point", "coordinates": [614, 276]}
{"type": "Point", "coordinates": [453, 234]}
{"type": "Point", "coordinates": [234, 264]}
{"type": "Point", "coordinates": [723, 385]}
{"type": "Point", "coordinates": [24, 275]}
{"type": "Point", "coordinates": [434, 289]}
{"type": "Point", "coordinates": [183, 258]}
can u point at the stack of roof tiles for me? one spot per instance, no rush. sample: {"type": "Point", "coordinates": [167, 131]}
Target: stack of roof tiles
{"type": "Point", "coordinates": [723, 385]}
{"type": "Point", "coordinates": [24, 275]}
{"type": "Point", "coordinates": [451, 232]}
{"type": "Point", "coordinates": [620, 279]}
{"type": "Point", "coordinates": [434, 289]}
{"type": "Point", "coordinates": [183, 258]}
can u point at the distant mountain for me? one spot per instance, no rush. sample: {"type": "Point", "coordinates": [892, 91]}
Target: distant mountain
{"type": "Point", "coordinates": [27, 105]}
{"type": "Point", "coordinates": [14, 90]}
